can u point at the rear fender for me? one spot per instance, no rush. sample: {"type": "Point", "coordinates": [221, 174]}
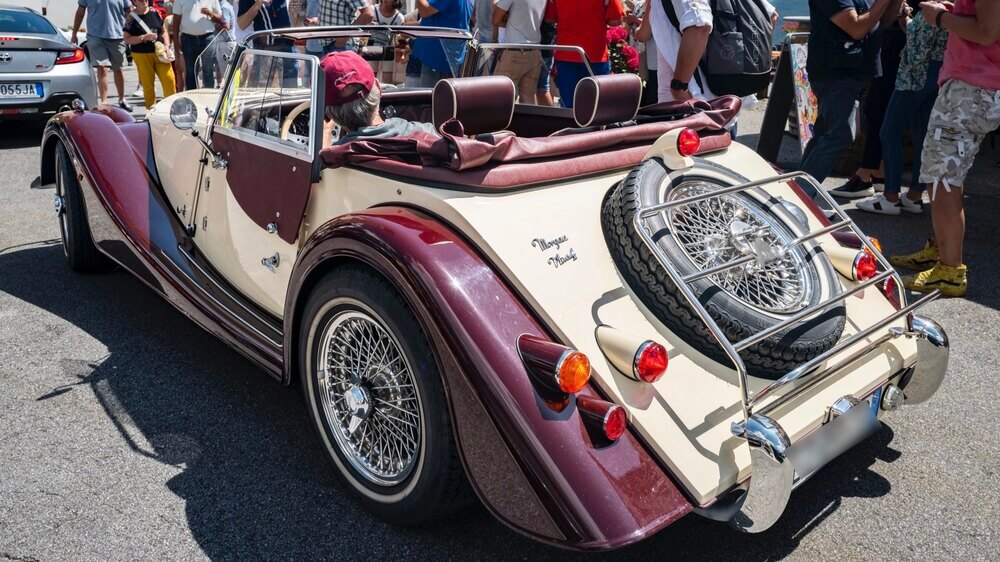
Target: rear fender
{"type": "Point", "coordinates": [535, 468]}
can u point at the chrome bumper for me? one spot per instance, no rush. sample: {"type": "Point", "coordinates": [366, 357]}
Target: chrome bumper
{"type": "Point", "coordinates": [778, 467]}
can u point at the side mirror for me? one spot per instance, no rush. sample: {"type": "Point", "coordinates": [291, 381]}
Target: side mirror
{"type": "Point", "coordinates": [183, 113]}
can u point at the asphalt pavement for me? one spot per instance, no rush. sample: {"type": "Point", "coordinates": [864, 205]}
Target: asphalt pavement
{"type": "Point", "coordinates": [126, 432]}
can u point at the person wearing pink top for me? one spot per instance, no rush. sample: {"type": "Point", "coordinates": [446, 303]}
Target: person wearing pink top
{"type": "Point", "coordinates": [966, 110]}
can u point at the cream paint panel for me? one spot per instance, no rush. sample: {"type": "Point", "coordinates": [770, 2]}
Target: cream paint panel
{"type": "Point", "coordinates": [235, 245]}
{"type": "Point", "coordinates": [177, 153]}
{"type": "Point", "coordinates": [685, 417]}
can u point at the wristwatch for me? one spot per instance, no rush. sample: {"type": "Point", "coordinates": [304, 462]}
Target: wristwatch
{"type": "Point", "coordinates": [678, 85]}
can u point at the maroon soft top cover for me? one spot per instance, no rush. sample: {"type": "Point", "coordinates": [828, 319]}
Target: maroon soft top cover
{"type": "Point", "coordinates": [503, 160]}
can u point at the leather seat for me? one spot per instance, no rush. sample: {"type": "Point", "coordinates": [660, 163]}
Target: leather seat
{"type": "Point", "coordinates": [482, 104]}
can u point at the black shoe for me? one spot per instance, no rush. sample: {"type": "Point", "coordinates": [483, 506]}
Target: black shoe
{"type": "Point", "coordinates": [854, 189]}
{"type": "Point", "coordinates": [122, 104]}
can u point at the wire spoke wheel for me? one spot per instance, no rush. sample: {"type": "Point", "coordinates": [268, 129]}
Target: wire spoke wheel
{"type": "Point", "coordinates": [369, 397]}
{"type": "Point", "coordinates": [723, 229]}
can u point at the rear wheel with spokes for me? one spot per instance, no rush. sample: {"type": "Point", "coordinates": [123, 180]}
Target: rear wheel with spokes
{"type": "Point", "coordinates": [375, 395]}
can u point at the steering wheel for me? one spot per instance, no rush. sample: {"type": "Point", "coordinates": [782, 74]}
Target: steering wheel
{"type": "Point", "coordinates": [286, 125]}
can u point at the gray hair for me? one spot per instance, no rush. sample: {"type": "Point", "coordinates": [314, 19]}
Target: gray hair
{"type": "Point", "coordinates": [356, 114]}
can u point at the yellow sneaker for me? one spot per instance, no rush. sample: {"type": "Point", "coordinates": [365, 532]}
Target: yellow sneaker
{"type": "Point", "coordinates": [951, 281]}
{"type": "Point", "coordinates": [917, 261]}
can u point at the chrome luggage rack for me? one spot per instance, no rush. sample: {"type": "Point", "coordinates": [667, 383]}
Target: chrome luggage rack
{"type": "Point", "coordinates": [773, 476]}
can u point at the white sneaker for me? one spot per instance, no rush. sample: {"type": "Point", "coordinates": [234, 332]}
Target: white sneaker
{"type": "Point", "coordinates": [879, 204]}
{"type": "Point", "coordinates": [911, 206]}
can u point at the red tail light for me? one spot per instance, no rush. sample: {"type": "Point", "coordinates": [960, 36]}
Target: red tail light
{"type": "Point", "coordinates": [611, 419]}
{"type": "Point", "coordinates": [650, 362]}
{"type": "Point", "coordinates": [891, 292]}
{"type": "Point", "coordinates": [865, 266]}
{"type": "Point", "coordinates": [68, 57]}
{"type": "Point", "coordinates": [688, 142]}
{"type": "Point", "coordinates": [555, 366]}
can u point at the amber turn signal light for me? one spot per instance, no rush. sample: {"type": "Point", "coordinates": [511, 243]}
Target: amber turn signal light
{"type": "Point", "coordinates": [554, 365]}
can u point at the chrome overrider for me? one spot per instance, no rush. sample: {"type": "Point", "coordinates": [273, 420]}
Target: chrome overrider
{"type": "Point", "coordinates": [777, 465]}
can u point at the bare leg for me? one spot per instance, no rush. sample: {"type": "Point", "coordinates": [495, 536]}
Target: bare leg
{"type": "Point", "coordinates": [544, 97]}
{"type": "Point", "coordinates": [865, 174]}
{"type": "Point", "coordinates": [119, 83]}
{"type": "Point", "coordinates": [102, 84]}
{"type": "Point", "coordinates": [948, 216]}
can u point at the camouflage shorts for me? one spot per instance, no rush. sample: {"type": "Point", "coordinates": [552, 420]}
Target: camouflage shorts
{"type": "Point", "coordinates": [963, 115]}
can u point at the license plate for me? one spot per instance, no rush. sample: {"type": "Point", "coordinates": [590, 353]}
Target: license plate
{"type": "Point", "coordinates": [874, 400]}
{"type": "Point", "coordinates": [20, 90]}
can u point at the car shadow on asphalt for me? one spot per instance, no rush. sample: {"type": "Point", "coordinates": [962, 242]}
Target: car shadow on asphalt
{"type": "Point", "coordinates": [253, 477]}
{"type": "Point", "coordinates": [21, 134]}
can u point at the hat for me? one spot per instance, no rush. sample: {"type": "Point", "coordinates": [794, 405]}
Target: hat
{"type": "Point", "coordinates": [343, 69]}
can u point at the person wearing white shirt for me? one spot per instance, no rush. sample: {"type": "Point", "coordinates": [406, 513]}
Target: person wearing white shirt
{"type": "Point", "coordinates": [193, 29]}
{"type": "Point", "coordinates": [679, 52]}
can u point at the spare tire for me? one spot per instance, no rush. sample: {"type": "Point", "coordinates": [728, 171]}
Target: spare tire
{"type": "Point", "coordinates": [742, 301]}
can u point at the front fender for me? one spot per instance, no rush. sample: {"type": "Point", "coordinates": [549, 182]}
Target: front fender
{"type": "Point", "coordinates": [536, 469]}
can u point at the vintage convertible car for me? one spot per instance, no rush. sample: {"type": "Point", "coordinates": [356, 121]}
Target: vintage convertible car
{"type": "Point", "coordinates": [596, 320]}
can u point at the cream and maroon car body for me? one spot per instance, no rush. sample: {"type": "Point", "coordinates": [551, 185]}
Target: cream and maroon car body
{"type": "Point", "coordinates": [481, 266]}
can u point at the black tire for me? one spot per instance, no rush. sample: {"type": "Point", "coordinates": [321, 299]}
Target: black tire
{"type": "Point", "coordinates": [81, 253]}
{"type": "Point", "coordinates": [435, 485]}
{"type": "Point", "coordinates": [649, 184]}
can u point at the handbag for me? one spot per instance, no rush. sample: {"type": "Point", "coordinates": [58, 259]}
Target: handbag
{"type": "Point", "coordinates": [163, 54]}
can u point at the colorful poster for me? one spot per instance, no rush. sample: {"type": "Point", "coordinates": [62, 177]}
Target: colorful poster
{"type": "Point", "coordinates": [805, 101]}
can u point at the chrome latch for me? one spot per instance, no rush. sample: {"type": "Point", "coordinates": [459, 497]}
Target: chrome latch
{"type": "Point", "coordinates": [271, 263]}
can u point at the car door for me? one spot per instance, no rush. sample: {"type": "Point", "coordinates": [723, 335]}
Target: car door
{"type": "Point", "coordinates": [251, 205]}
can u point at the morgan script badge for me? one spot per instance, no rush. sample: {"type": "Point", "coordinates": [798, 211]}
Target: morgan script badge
{"type": "Point", "coordinates": [558, 259]}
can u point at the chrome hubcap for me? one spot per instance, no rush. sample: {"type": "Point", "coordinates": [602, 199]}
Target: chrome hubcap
{"type": "Point", "coordinates": [722, 229]}
{"type": "Point", "coordinates": [369, 398]}
{"type": "Point", "coordinates": [58, 202]}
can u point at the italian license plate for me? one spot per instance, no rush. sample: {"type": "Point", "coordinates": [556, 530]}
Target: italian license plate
{"type": "Point", "coordinates": [21, 90]}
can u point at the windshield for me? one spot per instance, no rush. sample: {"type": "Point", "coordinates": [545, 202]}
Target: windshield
{"type": "Point", "coordinates": [24, 22]}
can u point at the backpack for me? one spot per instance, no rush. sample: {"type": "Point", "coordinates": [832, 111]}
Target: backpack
{"type": "Point", "coordinates": [737, 59]}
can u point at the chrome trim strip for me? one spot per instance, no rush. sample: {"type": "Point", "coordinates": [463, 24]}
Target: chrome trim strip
{"type": "Point", "coordinates": [211, 278]}
{"type": "Point", "coordinates": [805, 313]}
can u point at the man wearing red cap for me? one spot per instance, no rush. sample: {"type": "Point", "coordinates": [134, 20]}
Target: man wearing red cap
{"type": "Point", "coordinates": [352, 102]}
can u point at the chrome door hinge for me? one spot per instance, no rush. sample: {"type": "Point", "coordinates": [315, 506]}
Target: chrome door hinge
{"type": "Point", "coordinates": [271, 263]}
{"type": "Point", "coordinates": [204, 222]}
{"type": "Point", "coordinates": [208, 183]}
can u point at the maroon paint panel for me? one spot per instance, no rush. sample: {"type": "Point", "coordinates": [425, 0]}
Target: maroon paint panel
{"type": "Point", "coordinates": [114, 167]}
{"type": "Point", "coordinates": [270, 187]}
{"type": "Point", "coordinates": [599, 496]}
{"type": "Point", "coordinates": [124, 207]}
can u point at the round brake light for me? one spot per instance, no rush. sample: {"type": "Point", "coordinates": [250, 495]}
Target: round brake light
{"type": "Point", "coordinates": [572, 372]}
{"type": "Point", "coordinates": [688, 142]}
{"type": "Point", "coordinates": [865, 266]}
{"type": "Point", "coordinates": [650, 362]}
{"type": "Point", "coordinates": [615, 422]}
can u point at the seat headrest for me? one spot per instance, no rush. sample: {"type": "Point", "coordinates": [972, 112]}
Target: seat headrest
{"type": "Point", "coordinates": [603, 100]}
{"type": "Point", "coordinates": [482, 104]}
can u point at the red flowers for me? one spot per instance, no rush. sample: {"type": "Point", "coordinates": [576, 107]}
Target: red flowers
{"type": "Point", "coordinates": [617, 34]}
{"type": "Point", "coordinates": [624, 58]}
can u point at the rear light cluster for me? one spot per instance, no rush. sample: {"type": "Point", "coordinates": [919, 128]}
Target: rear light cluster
{"type": "Point", "coordinates": [865, 266]}
{"type": "Point", "coordinates": [650, 362]}
{"type": "Point", "coordinates": [69, 57]}
{"type": "Point", "coordinates": [688, 142]}
{"type": "Point", "coordinates": [566, 371]}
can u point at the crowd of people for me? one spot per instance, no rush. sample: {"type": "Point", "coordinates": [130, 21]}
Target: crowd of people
{"type": "Point", "coordinates": [931, 69]}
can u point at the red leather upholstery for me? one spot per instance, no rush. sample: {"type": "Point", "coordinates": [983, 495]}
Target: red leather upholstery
{"type": "Point", "coordinates": [482, 104]}
{"type": "Point", "coordinates": [603, 100]}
